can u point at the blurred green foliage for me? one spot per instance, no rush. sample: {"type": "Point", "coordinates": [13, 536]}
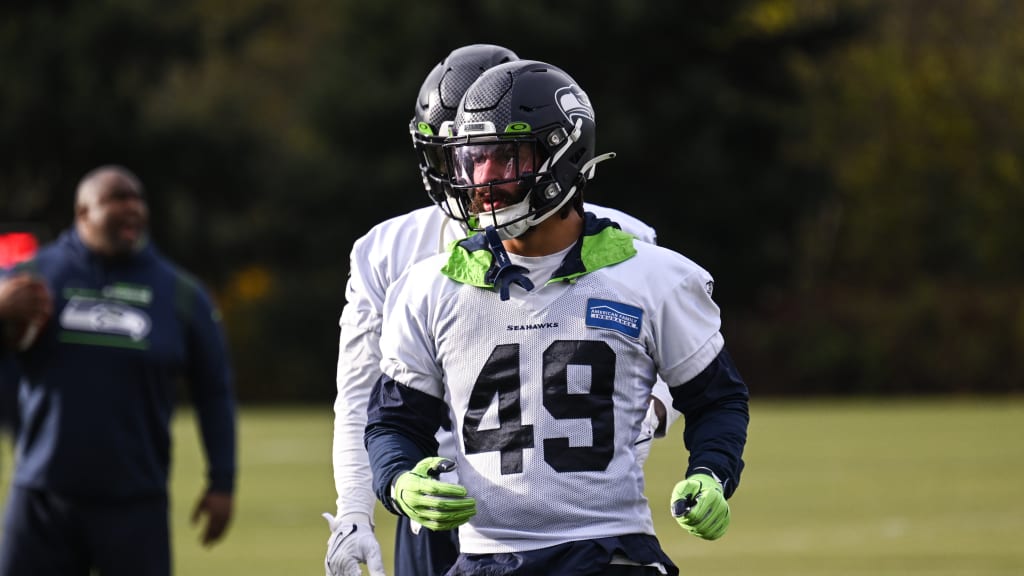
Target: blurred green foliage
{"type": "Point", "coordinates": [849, 170]}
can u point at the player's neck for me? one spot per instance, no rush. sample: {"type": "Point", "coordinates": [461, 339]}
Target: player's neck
{"type": "Point", "coordinates": [550, 236]}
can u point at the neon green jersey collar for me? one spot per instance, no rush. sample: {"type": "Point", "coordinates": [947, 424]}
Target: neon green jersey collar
{"type": "Point", "coordinates": [602, 244]}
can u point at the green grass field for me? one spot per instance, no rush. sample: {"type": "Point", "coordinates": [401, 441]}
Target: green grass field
{"type": "Point", "coordinates": [887, 487]}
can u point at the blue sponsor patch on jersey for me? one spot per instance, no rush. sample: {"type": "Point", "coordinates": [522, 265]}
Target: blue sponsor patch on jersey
{"type": "Point", "coordinates": [616, 316]}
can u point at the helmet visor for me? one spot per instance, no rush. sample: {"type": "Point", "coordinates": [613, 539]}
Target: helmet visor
{"type": "Point", "coordinates": [494, 162]}
{"type": "Point", "coordinates": [431, 153]}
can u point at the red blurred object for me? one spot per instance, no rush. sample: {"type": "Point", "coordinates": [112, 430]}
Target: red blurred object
{"type": "Point", "coordinates": [16, 247]}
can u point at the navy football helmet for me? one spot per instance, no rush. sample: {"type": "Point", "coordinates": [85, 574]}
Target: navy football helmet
{"type": "Point", "coordinates": [435, 110]}
{"type": "Point", "coordinates": [522, 147]}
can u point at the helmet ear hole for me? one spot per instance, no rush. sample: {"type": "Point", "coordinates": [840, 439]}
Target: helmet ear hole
{"type": "Point", "coordinates": [556, 137]}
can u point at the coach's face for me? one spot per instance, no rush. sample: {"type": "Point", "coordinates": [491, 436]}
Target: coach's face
{"type": "Point", "coordinates": [111, 214]}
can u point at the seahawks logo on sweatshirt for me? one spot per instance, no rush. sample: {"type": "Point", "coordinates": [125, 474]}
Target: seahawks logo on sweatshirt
{"type": "Point", "coordinates": [96, 316]}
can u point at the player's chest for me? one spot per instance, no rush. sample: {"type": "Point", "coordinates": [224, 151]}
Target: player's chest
{"type": "Point", "coordinates": [572, 327]}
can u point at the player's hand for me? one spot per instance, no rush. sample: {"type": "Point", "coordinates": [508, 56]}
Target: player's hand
{"type": "Point", "coordinates": [218, 507]}
{"type": "Point", "coordinates": [350, 545]}
{"type": "Point", "coordinates": [699, 506]}
{"type": "Point", "coordinates": [648, 428]}
{"type": "Point", "coordinates": [434, 504]}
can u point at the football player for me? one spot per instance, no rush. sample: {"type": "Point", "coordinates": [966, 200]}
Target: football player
{"type": "Point", "coordinates": [376, 261]}
{"type": "Point", "coordinates": [541, 337]}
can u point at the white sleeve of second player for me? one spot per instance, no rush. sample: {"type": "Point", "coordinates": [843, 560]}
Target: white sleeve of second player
{"type": "Point", "coordinates": [662, 393]}
{"type": "Point", "coordinates": [358, 369]}
{"type": "Point", "coordinates": [627, 223]}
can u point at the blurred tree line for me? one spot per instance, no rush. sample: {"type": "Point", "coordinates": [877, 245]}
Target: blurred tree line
{"type": "Point", "coordinates": [849, 170]}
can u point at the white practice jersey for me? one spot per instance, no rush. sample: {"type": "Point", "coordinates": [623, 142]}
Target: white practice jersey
{"type": "Point", "coordinates": [377, 259]}
{"type": "Point", "coordinates": [548, 389]}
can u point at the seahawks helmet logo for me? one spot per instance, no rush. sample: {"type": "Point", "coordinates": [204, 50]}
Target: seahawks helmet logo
{"type": "Point", "coordinates": [574, 103]}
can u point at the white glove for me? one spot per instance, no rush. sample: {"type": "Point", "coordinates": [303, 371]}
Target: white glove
{"type": "Point", "coordinates": [349, 546]}
{"type": "Point", "coordinates": [642, 445]}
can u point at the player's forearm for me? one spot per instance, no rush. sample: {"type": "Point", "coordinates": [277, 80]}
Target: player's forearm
{"type": "Point", "coordinates": [358, 369]}
{"type": "Point", "coordinates": [716, 441]}
{"type": "Point", "coordinates": [715, 404]}
{"type": "Point", "coordinates": [352, 477]}
{"type": "Point", "coordinates": [400, 428]}
{"type": "Point", "coordinates": [390, 453]}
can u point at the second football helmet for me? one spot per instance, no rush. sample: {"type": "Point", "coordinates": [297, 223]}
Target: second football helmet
{"type": "Point", "coordinates": [436, 105]}
{"type": "Point", "coordinates": [523, 146]}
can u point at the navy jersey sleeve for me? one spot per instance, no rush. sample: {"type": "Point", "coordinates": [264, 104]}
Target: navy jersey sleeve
{"type": "Point", "coordinates": [211, 387]}
{"type": "Point", "coordinates": [715, 405]}
{"type": "Point", "coordinates": [400, 427]}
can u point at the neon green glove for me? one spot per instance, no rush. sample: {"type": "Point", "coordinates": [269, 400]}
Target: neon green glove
{"type": "Point", "coordinates": [425, 499]}
{"type": "Point", "coordinates": [699, 506]}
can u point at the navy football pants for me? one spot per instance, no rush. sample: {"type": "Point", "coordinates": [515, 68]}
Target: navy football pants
{"type": "Point", "coordinates": [591, 557]}
{"type": "Point", "coordinates": [424, 554]}
{"type": "Point", "coordinates": [437, 553]}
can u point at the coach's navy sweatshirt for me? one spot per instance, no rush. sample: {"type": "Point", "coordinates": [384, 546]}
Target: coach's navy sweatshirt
{"type": "Point", "coordinates": [99, 384]}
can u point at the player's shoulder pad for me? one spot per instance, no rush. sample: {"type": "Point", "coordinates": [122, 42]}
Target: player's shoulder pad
{"type": "Point", "coordinates": [659, 266]}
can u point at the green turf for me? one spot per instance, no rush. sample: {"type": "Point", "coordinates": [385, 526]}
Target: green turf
{"type": "Point", "coordinates": [839, 488]}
